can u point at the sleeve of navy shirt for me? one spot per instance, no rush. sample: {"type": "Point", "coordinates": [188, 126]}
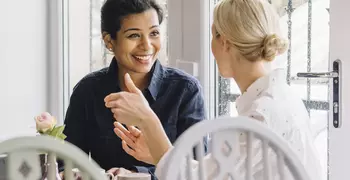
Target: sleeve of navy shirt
{"type": "Point", "coordinates": [192, 110]}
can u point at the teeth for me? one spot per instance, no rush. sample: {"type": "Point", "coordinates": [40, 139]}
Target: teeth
{"type": "Point", "coordinates": [143, 57]}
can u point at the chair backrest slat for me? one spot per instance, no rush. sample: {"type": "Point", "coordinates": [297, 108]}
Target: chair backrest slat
{"type": "Point", "coordinates": [200, 157]}
{"type": "Point", "coordinates": [249, 163]}
{"type": "Point", "coordinates": [281, 165]}
{"type": "Point", "coordinates": [189, 173]}
{"type": "Point", "coordinates": [51, 158]}
{"type": "Point", "coordinates": [265, 149]}
{"type": "Point", "coordinates": [86, 175]}
{"type": "Point", "coordinates": [68, 173]}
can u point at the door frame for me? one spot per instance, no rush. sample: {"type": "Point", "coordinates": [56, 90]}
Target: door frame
{"type": "Point", "coordinates": [338, 153]}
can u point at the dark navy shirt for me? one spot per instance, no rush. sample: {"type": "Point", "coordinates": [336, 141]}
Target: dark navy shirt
{"type": "Point", "coordinates": [174, 96]}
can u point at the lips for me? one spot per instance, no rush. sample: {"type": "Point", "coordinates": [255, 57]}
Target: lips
{"type": "Point", "coordinates": [144, 59]}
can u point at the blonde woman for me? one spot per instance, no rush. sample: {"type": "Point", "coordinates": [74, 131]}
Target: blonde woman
{"type": "Point", "coordinates": [245, 37]}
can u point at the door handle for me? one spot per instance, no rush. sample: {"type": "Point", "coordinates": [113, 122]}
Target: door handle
{"type": "Point", "coordinates": [318, 75]}
{"type": "Point", "coordinates": [335, 75]}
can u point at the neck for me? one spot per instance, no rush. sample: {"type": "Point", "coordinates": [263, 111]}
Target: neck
{"type": "Point", "coordinates": [141, 80]}
{"type": "Point", "coordinates": [247, 73]}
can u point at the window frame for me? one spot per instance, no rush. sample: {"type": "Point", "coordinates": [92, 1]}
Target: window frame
{"type": "Point", "coordinates": [71, 51]}
{"type": "Point", "coordinates": [58, 60]}
{"type": "Point", "coordinates": [189, 41]}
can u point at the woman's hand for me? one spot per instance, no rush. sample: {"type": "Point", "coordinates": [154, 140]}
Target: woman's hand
{"type": "Point", "coordinates": [134, 143]}
{"type": "Point", "coordinates": [129, 108]}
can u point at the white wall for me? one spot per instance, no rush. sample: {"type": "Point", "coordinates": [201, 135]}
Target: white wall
{"type": "Point", "coordinates": [23, 72]}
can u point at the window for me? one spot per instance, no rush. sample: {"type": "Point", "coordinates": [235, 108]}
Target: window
{"type": "Point", "coordinates": [305, 23]}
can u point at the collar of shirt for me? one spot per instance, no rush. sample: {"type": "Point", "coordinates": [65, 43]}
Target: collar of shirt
{"type": "Point", "coordinates": [274, 78]}
{"type": "Point", "coordinates": [157, 73]}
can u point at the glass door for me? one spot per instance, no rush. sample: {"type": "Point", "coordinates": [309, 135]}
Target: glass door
{"type": "Point", "coordinates": [315, 43]}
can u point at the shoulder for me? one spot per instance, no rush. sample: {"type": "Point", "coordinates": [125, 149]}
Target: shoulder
{"type": "Point", "coordinates": [180, 78]}
{"type": "Point", "coordinates": [279, 111]}
{"type": "Point", "coordinates": [90, 80]}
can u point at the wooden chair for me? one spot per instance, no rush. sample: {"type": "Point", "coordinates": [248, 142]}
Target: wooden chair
{"type": "Point", "coordinates": [23, 159]}
{"type": "Point", "coordinates": [232, 161]}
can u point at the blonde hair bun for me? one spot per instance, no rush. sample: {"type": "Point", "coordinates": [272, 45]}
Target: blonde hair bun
{"type": "Point", "coordinates": [273, 46]}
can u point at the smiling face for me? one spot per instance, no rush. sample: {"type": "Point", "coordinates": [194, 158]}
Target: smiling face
{"type": "Point", "coordinates": [138, 42]}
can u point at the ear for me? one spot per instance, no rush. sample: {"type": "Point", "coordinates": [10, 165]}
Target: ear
{"type": "Point", "coordinates": [107, 40]}
{"type": "Point", "coordinates": [226, 45]}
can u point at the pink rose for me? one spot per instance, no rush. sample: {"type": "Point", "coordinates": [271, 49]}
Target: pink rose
{"type": "Point", "coordinates": [45, 122]}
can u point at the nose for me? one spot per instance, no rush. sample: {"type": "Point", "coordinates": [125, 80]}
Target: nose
{"type": "Point", "coordinates": [146, 44]}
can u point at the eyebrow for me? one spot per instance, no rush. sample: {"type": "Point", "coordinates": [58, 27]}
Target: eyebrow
{"type": "Point", "coordinates": [137, 29]}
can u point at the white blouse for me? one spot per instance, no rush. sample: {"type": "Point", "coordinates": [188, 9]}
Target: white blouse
{"type": "Point", "coordinates": [271, 101]}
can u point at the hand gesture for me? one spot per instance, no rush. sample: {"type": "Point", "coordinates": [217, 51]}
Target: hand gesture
{"type": "Point", "coordinates": [134, 143]}
{"type": "Point", "coordinates": [129, 108]}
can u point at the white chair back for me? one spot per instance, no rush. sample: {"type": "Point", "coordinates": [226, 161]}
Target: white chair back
{"type": "Point", "coordinates": [23, 160]}
{"type": "Point", "coordinates": [242, 148]}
